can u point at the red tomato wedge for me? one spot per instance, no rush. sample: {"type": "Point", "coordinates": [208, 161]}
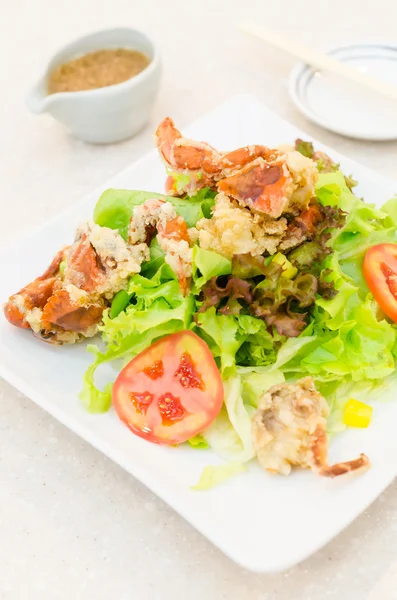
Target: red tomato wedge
{"type": "Point", "coordinates": [380, 272]}
{"type": "Point", "coordinates": [171, 391]}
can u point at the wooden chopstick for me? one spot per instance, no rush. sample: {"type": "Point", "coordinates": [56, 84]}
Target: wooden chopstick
{"type": "Point", "coordinates": [318, 60]}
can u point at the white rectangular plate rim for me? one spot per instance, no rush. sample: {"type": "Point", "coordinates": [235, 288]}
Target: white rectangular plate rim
{"type": "Point", "coordinates": [243, 550]}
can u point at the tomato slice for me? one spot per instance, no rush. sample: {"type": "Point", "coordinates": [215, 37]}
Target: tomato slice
{"type": "Point", "coordinates": [380, 272]}
{"type": "Point", "coordinates": [171, 391]}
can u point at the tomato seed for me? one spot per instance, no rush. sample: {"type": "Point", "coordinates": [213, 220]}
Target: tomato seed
{"type": "Point", "coordinates": [141, 401]}
{"type": "Point", "coordinates": [155, 370]}
{"type": "Point", "coordinates": [187, 374]}
{"type": "Point", "coordinates": [171, 409]}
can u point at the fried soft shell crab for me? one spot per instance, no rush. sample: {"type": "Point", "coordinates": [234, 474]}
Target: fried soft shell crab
{"type": "Point", "coordinates": [256, 185]}
{"type": "Point", "coordinates": [289, 430]}
{"type": "Point", "coordinates": [66, 303]}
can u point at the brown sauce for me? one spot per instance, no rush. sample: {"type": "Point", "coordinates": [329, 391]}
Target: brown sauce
{"type": "Point", "coordinates": [96, 70]}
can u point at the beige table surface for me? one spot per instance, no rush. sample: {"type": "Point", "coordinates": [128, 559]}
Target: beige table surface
{"type": "Point", "coordinates": [73, 525]}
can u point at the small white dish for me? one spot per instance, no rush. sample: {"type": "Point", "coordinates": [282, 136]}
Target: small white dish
{"type": "Point", "coordinates": [346, 107]}
{"type": "Point", "coordinates": [108, 114]}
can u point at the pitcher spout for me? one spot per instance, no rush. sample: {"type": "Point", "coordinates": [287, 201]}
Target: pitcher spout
{"type": "Point", "coordinates": [37, 99]}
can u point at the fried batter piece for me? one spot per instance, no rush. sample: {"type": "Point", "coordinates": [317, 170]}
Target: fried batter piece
{"type": "Point", "coordinates": [289, 430]}
{"type": "Point", "coordinates": [233, 229]}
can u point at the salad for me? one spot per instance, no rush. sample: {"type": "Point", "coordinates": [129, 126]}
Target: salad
{"type": "Point", "coordinates": [252, 309]}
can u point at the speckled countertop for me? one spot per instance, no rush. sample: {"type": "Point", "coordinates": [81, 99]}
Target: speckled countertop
{"type": "Point", "coordinates": [73, 525]}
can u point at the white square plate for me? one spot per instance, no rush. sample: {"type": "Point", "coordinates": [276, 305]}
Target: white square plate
{"type": "Point", "coordinates": [262, 522]}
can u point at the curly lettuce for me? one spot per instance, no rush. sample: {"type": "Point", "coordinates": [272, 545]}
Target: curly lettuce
{"type": "Point", "coordinates": [365, 225]}
{"type": "Point", "coordinates": [266, 320]}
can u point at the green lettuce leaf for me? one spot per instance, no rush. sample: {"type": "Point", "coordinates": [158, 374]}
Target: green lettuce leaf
{"type": "Point", "coordinates": [156, 260]}
{"type": "Point", "coordinates": [221, 334]}
{"type": "Point", "coordinates": [349, 340]}
{"type": "Point", "coordinates": [364, 227]}
{"type": "Point", "coordinates": [390, 208]}
{"type": "Point", "coordinates": [198, 442]}
{"type": "Point", "coordinates": [305, 148]}
{"type": "Point", "coordinates": [95, 400]}
{"type": "Point", "coordinates": [207, 264]}
{"type": "Point", "coordinates": [114, 207]}
{"type": "Point", "coordinates": [135, 321]}
{"type": "Point", "coordinates": [214, 475]}
{"type": "Point", "coordinates": [237, 339]}
{"type": "Point", "coordinates": [256, 381]}
{"type": "Point", "coordinates": [365, 224]}
{"type": "Point", "coordinates": [259, 347]}
{"type": "Point", "coordinates": [230, 434]}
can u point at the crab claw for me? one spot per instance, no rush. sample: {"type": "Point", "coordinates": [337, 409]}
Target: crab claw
{"type": "Point", "coordinates": [84, 269]}
{"type": "Point", "coordinates": [34, 295]}
{"type": "Point", "coordinates": [183, 154]}
{"type": "Point", "coordinates": [237, 159]}
{"type": "Point", "coordinates": [320, 460]}
{"type": "Point", "coordinates": [359, 464]}
{"type": "Point", "coordinates": [62, 311]}
{"type": "Point", "coordinates": [260, 186]}
{"type": "Point", "coordinates": [14, 314]}
{"type": "Point", "coordinates": [165, 137]}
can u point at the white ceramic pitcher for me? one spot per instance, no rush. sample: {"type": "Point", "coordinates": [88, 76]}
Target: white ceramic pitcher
{"type": "Point", "coordinates": [108, 114]}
